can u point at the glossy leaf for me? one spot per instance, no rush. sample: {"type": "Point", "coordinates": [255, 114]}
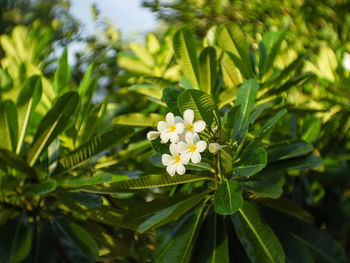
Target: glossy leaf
{"type": "Point", "coordinates": [200, 102]}
{"type": "Point", "coordinates": [171, 213]}
{"type": "Point", "coordinates": [207, 69]}
{"type": "Point", "coordinates": [62, 74]}
{"type": "Point", "coordinates": [251, 163]}
{"type": "Point", "coordinates": [52, 124]}
{"type": "Point", "coordinates": [230, 119]}
{"type": "Point", "coordinates": [182, 239]}
{"type": "Point", "coordinates": [285, 151]}
{"type": "Point", "coordinates": [186, 55]}
{"type": "Point", "coordinates": [144, 182]}
{"type": "Point", "coordinates": [42, 188]}
{"type": "Point", "coordinates": [258, 239]}
{"type": "Point", "coordinates": [228, 197]}
{"type": "Point", "coordinates": [76, 243]}
{"type": "Point", "coordinates": [15, 240]}
{"type": "Point", "coordinates": [170, 97]}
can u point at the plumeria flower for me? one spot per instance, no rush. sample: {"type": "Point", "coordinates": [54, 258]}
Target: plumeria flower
{"type": "Point", "coordinates": [174, 162]}
{"type": "Point", "coordinates": [191, 149]}
{"type": "Point", "coordinates": [214, 147]}
{"type": "Point", "coordinates": [171, 128]}
{"type": "Point", "coordinates": [152, 135]}
{"type": "Point", "coordinates": [190, 126]}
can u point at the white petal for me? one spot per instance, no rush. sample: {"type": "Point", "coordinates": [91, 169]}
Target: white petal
{"type": "Point", "coordinates": [180, 169]}
{"type": "Point", "coordinates": [189, 138]}
{"type": "Point", "coordinates": [173, 149]}
{"type": "Point", "coordinates": [189, 115]}
{"type": "Point", "coordinates": [165, 136]}
{"type": "Point", "coordinates": [185, 157]}
{"type": "Point", "coordinates": [201, 145]}
{"type": "Point", "coordinates": [179, 127]}
{"type": "Point", "coordinates": [169, 118]}
{"type": "Point", "coordinates": [214, 147]}
{"type": "Point", "coordinates": [178, 119]}
{"type": "Point", "coordinates": [196, 138]}
{"type": "Point", "coordinates": [174, 138]}
{"type": "Point", "coordinates": [152, 135]}
{"type": "Point", "coordinates": [196, 157]}
{"type": "Point", "coordinates": [171, 169]}
{"type": "Point", "coordinates": [182, 147]}
{"type": "Point", "coordinates": [199, 126]}
{"type": "Point", "coordinates": [162, 126]}
{"type": "Point", "coordinates": [167, 159]}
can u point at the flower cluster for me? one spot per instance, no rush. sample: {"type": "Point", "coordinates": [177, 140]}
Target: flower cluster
{"type": "Point", "coordinates": [185, 145]}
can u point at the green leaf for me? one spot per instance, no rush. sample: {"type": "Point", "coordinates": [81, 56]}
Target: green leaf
{"type": "Point", "coordinates": [170, 97]}
{"type": "Point", "coordinates": [311, 129]}
{"type": "Point", "coordinates": [15, 240]}
{"type": "Point", "coordinates": [5, 81]}
{"type": "Point", "coordinates": [16, 162]}
{"type": "Point", "coordinates": [230, 119]}
{"type": "Point", "coordinates": [295, 149]}
{"type": "Point", "coordinates": [186, 55]}
{"type": "Point", "coordinates": [212, 244]}
{"type": "Point", "coordinates": [8, 125]}
{"type": "Point", "coordinates": [207, 69]}
{"type": "Point", "coordinates": [133, 64]}
{"type": "Point", "coordinates": [142, 53]}
{"type": "Point", "coordinates": [251, 162]}
{"type": "Point", "coordinates": [87, 199]}
{"type": "Point", "coordinates": [149, 90]}
{"type": "Point", "coordinates": [27, 101]}
{"type": "Point", "coordinates": [42, 188]}
{"type": "Point", "coordinates": [144, 182]}
{"type": "Point", "coordinates": [161, 82]}
{"type": "Point", "coordinates": [96, 145]}
{"type": "Point", "coordinates": [262, 132]}
{"type": "Point", "coordinates": [79, 182]}
{"type": "Point", "coordinates": [225, 161]}
{"type": "Point", "coordinates": [62, 74]}
{"type": "Point", "coordinates": [245, 98]}
{"type": "Point", "coordinates": [200, 102]}
{"type": "Point", "coordinates": [54, 122]}
{"type": "Point", "coordinates": [258, 239]}
{"type": "Point", "coordinates": [231, 38]}
{"type": "Point", "coordinates": [160, 147]}
{"type": "Point", "coordinates": [228, 197]}
{"type": "Point", "coordinates": [182, 239]}
{"type": "Point", "coordinates": [171, 213]}
{"type": "Point", "coordinates": [230, 73]}
{"type": "Point", "coordinates": [317, 242]}
{"type": "Point", "coordinates": [138, 120]}
{"type": "Point", "coordinates": [76, 243]}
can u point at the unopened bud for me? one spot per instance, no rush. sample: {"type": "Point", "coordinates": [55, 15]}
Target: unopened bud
{"type": "Point", "coordinates": [152, 135]}
{"type": "Point", "coordinates": [214, 147]}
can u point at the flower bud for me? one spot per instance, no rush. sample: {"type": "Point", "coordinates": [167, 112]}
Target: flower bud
{"type": "Point", "coordinates": [152, 135]}
{"type": "Point", "coordinates": [214, 147]}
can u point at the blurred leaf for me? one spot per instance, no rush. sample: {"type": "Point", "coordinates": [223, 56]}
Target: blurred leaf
{"type": "Point", "coordinates": [171, 213]}
{"type": "Point", "coordinates": [15, 240]}
{"type": "Point", "coordinates": [258, 239]}
{"type": "Point", "coordinates": [252, 162]}
{"type": "Point", "coordinates": [230, 119]}
{"type": "Point", "coordinates": [186, 55]}
{"type": "Point", "coordinates": [76, 243]}
{"type": "Point", "coordinates": [182, 240]}
{"type": "Point", "coordinates": [8, 125]}
{"type": "Point", "coordinates": [138, 119]}
{"type": "Point", "coordinates": [87, 199]}
{"type": "Point", "coordinates": [311, 129]}
{"type": "Point", "coordinates": [161, 82]}
{"type": "Point", "coordinates": [231, 38]}
{"type": "Point", "coordinates": [207, 69]}
{"type": "Point", "coordinates": [228, 197]}
{"type": "Point", "coordinates": [149, 90]}
{"type": "Point", "coordinates": [52, 124]}
{"type": "Point", "coordinates": [16, 162]}
{"type": "Point", "coordinates": [27, 100]}
{"type": "Point", "coordinates": [142, 53]}
{"type": "Point", "coordinates": [62, 74]}
{"type": "Point", "coordinates": [285, 151]}
{"type": "Point", "coordinates": [42, 188]}
{"type": "Point", "coordinates": [144, 182]}
{"type": "Point", "coordinates": [200, 102]}
{"type": "Point", "coordinates": [79, 182]}
{"type": "Point", "coordinates": [133, 64]}
{"type": "Point", "coordinates": [300, 163]}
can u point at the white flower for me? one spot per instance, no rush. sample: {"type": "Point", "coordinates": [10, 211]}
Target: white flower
{"type": "Point", "coordinates": [214, 147]}
{"type": "Point", "coordinates": [192, 148]}
{"type": "Point", "coordinates": [152, 135]}
{"type": "Point", "coordinates": [171, 128]}
{"type": "Point", "coordinates": [190, 126]}
{"type": "Point", "coordinates": [174, 162]}
{"type": "Point", "coordinates": [346, 61]}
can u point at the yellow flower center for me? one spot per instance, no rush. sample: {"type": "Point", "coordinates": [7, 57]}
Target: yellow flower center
{"type": "Point", "coordinates": [193, 148]}
{"type": "Point", "coordinates": [172, 128]}
{"type": "Point", "coordinates": [189, 127]}
{"type": "Point", "coordinates": [177, 158]}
